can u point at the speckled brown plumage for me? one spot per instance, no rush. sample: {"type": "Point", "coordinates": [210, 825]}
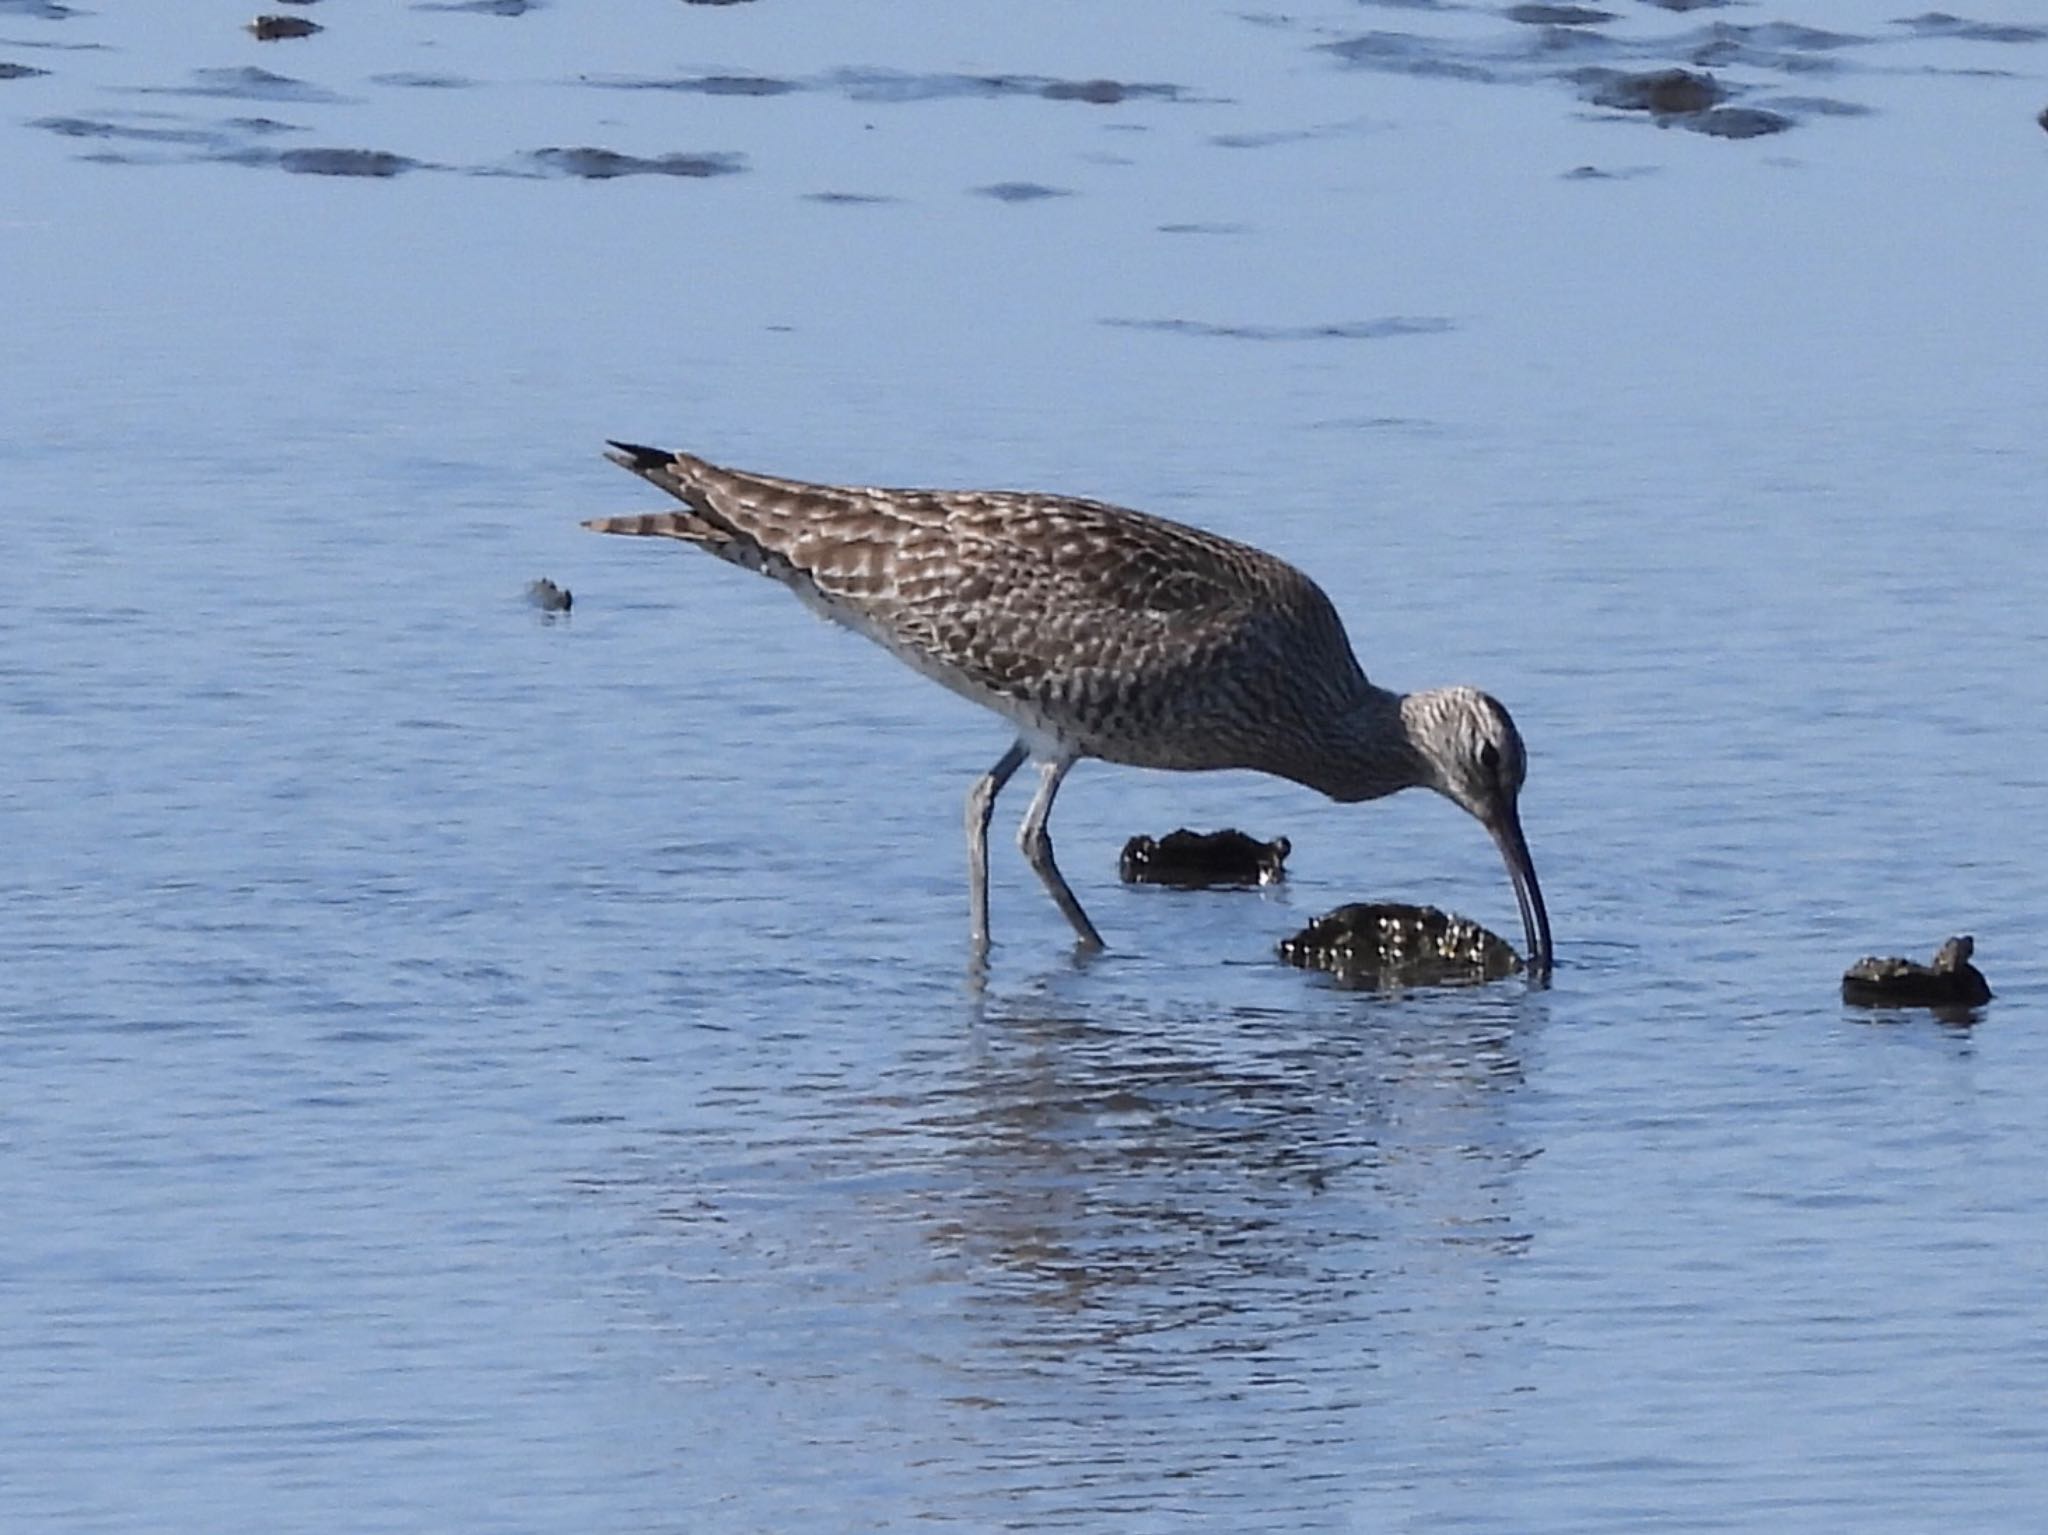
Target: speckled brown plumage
{"type": "Point", "coordinates": [1100, 631]}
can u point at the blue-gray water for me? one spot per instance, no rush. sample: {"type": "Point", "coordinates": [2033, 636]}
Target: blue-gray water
{"type": "Point", "coordinates": [471, 1071]}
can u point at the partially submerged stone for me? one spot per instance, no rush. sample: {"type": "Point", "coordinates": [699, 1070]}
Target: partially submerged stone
{"type": "Point", "coordinates": [550, 598]}
{"type": "Point", "coordinates": [1950, 982]}
{"type": "Point", "coordinates": [1193, 859]}
{"type": "Point", "coordinates": [270, 29]}
{"type": "Point", "coordinates": [1382, 943]}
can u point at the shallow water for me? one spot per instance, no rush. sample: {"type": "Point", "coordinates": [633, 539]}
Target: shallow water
{"type": "Point", "coordinates": [476, 1069]}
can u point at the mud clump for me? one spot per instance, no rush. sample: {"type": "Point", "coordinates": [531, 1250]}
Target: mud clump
{"type": "Point", "coordinates": [1950, 985]}
{"type": "Point", "coordinates": [1389, 944]}
{"type": "Point", "coordinates": [270, 29]}
{"type": "Point", "coordinates": [1193, 860]}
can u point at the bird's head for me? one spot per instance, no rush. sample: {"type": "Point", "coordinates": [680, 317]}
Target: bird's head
{"type": "Point", "coordinates": [1475, 759]}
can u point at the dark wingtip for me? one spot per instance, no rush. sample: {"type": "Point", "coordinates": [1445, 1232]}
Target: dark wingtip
{"type": "Point", "coordinates": [634, 457]}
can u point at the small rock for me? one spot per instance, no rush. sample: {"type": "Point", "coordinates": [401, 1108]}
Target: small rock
{"type": "Point", "coordinates": [1387, 944]}
{"type": "Point", "coordinates": [1192, 859]}
{"type": "Point", "coordinates": [550, 598]}
{"type": "Point", "coordinates": [269, 29]}
{"type": "Point", "coordinates": [2043, 118]}
{"type": "Point", "coordinates": [1950, 982]}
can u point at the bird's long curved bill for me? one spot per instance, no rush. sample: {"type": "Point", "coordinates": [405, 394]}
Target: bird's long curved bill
{"type": "Point", "coordinates": [1514, 850]}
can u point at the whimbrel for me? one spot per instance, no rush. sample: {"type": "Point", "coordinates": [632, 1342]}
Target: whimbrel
{"type": "Point", "coordinates": [1108, 633]}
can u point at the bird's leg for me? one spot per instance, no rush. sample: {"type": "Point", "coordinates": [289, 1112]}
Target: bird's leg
{"type": "Point", "coordinates": [1037, 844]}
{"type": "Point", "coordinates": [981, 804]}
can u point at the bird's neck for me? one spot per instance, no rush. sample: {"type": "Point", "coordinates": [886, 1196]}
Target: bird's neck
{"type": "Point", "coordinates": [1371, 749]}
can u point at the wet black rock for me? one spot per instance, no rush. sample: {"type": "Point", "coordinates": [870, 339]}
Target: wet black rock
{"type": "Point", "coordinates": [1193, 859]}
{"type": "Point", "coordinates": [1388, 944]}
{"type": "Point", "coordinates": [548, 597]}
{"type": "Point", "coordinates": [1951, 982]}
{"type": "Point", "coordinates": [1665, 92]}
{"type": "Point", "coordinates": [270, 29]}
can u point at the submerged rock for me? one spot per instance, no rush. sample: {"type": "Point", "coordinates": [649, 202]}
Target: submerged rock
{"type": "Point", "coordinates": [1387, 944]}
{"type": "Point", "coordinates": [269, 29]}
{"type": "Point", "coordinates": [1950, 982]}
{"type": "Point", "coordinates": [550, 598]}
{"type": "Point", "coordinates": [1193, 859]}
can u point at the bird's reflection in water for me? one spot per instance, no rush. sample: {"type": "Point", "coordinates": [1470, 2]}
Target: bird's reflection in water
{"type": "Point", "coordinates": [1124, 1173]}
{"type": "Point", "coordinates": [1097, 1247]}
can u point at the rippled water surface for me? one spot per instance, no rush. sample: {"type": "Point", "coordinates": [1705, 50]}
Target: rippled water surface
{"type": "Point", "coordinates": [468, 1068]}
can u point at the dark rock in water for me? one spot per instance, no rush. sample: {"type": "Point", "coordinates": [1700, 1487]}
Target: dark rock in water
{"type": "Point", "coordinates": [1386, 944]}
{"type": "Point", "coordinates": [1738, 122]}
{"type": "Point", "coordinates": [344, 162]}
{"type": "Point", "coordinates": [550, 598]}
{"type": "Point", "coordinates": [269, 29]}
{"type": "Point", "coordinates": [2043, 118]}
{"type": "Point", "coordinates": [1193, 859]}
{"type": "Point", "coordinates": [1950, 982]}
{"type": "Point", "coordinates": [19, 71]}
{"type": "Point", "coordinates": [1665, 92]}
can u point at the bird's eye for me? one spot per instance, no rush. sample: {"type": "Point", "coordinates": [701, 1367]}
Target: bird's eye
{"type": "Point", "coordinates": [1489, 758]}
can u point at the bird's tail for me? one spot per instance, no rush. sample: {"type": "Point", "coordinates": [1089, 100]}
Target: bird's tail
{"type": "Point", "coordinates": [658, 466]}
{"type": "Point", "coordinates": [684, 525]}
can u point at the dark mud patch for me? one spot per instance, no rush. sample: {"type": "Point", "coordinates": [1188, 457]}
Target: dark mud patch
{"type": "Point", "coordinates": [39, 10]}
{"type": "Point", "coordinates": [850, 199]}
{"type": "Point", "coordinates": [370, 164]}
{"type": "Point", "coordinates": [592, 164]}
{"type": "Point", "coordinates": [1816, 106]}
{"type": "Point", "coordinates": [134, 132]}
{"type": "Point", "coordinates": [1664, 92]}
{"type": "Point", "coordinates": [1403, 54]}
{"type": "Point", "coordinates": [411, 80]}
{"type": "Point", "coordinates": [274, 29]}
{"type": "Point", "coordinates": [10, 71]}
{"type": "Point", "coordinates": [1557, 15]}
{"type": "Point", "coordinates": [1600, 173]}
{"type": "Point", "coordinates": [1735, 123]}
{"type": "Point", "coordinates": [247, 83]}
{"type": "Point", "coordinates": [1274, 137]}
{"type": "Point", "coordinates": [1352, 330]}
{"type": "Point", "coordinates": [1668, 76]}
{"type": "Point", "coordinates": [1941, 24]}
{"type": "Point", "coordinates": [895, 85]}
{"type": "Point", "coordinates": [1020, 191]}
{"type": "Point", "coordinates": [712, 85]}
{"type": "Point", "coordinates": [858, 83]}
